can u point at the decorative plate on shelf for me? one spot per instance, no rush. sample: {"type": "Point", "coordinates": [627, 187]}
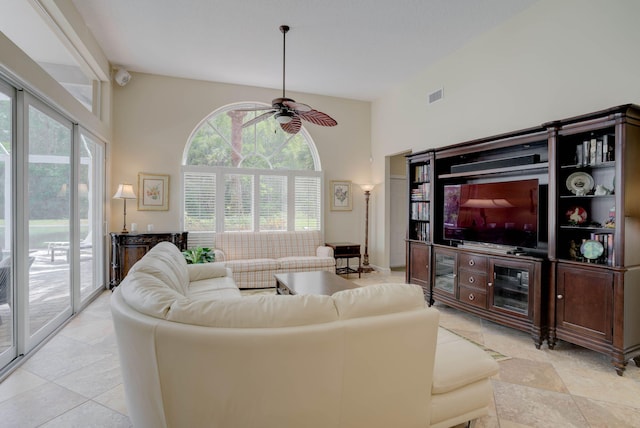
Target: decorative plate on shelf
{"type": "Point", "coordinates": [576, 215]}
{"type": "Point", "coordinates": [591, 249]}
{"type": "Point", "coordinates": [580, 183]}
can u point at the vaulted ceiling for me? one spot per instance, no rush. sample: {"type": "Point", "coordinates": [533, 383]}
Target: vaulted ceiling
{"type": "Point", "coordinates": [355, 49]}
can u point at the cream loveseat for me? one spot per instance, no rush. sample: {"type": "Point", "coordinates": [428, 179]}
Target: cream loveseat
{"type": "Point", "coordinates": [194, 353]}
{"type": "Point", "coordinates": [254, 257]}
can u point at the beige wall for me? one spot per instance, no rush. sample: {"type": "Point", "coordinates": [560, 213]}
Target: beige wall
{"type": "Point", "coordinates": [557, 59]}
{"type": "Point", "coordinates": [154, 116]}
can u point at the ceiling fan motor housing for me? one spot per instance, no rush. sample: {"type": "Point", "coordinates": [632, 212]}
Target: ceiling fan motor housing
{"type": "Point", "coordinates": [284, 116]}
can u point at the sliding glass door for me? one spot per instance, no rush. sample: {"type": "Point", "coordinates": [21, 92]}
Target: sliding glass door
{"type": "Point", "coordinates": [7, 291]}
{"type": "Point", "coordinates": [90, 249]}
{"type": "Point", "coordinates": [48, 177]}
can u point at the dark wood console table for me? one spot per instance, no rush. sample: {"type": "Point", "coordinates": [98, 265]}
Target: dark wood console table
{"type": "Point", "coordinates": [128, 248]}
{"type": "Point", "coordinates": [346, 250]}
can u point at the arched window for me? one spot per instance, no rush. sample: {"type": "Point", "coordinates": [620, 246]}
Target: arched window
{"type": "Point", "coordinates": [257, 178]}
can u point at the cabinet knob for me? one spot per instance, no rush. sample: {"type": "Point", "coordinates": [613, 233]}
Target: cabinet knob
{"type": "Point", "coordinates": [472, 262]}
{"type": "Point", "coordinates": [455, 275]}
{"type": "Point", "coordinates": [472, 297]}
{"type": "Point", "coordinates": [560, 296]}
{"type": "Point", "coordinates": [490, 284]}
{"type": "Point", "coordinates": [471, 280]}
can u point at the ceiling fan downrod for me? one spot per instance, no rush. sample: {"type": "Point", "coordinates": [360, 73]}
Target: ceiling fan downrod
{"type": "Point", "coordinates": [284, 29]}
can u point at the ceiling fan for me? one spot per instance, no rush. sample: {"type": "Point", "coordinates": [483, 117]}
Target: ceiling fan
{"type": "Point", "coordinates": [286, 111]}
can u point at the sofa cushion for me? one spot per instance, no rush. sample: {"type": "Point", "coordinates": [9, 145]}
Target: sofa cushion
{"type": "Point", "coordinates": [252, 265]}
{"type": "Point", "coordinates": [148, 294]}
{"type": "Point", "coordinates": [200, 271]}
{"type": "Point", "coordinates": [288, 244]}
{"type": "Point", "coordinates": [300, 264]}
{"type": "Point", "coordinates": [166, 262]}
{"type": "Point", "coordinates": [244, 245]}
{"type": "Point", "coordinates": [255, 311]}
{"type": "Point", "coordinates": [460, 363]}
{"type": "Point", "coordinates": [223, 287]}
{"type": "Point", "coordinates": [378, 300]}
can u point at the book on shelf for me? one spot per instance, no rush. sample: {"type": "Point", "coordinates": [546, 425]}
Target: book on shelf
{"type": "Point", "coordinates": [420, 211]}
{"type": "Point", "coordinates": [595, 150]}
{"type": "Point", "coordinates": [422, 231]}
{"type": "Point", "coordinates": [422, 192]}
{"type": "Point", "coordinates": [422, 173]}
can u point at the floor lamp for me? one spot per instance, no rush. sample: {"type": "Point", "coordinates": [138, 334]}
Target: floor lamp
{"type": "Point", "coordinates": [125, 191]}
{"type": "Point", "coordinates": [365, 258]}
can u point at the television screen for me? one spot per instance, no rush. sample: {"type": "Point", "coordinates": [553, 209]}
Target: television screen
{"type": "Point", "coordinates": [503, 213]}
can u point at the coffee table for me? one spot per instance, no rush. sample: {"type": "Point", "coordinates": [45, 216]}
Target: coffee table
{"type": "Point", "coordinates": [316, 282]}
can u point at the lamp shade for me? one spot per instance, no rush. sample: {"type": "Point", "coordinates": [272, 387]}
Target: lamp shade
{"type": "Point", "coordinates": [367, 187]}
{"type": "Point", "coordinates": [125, 191]}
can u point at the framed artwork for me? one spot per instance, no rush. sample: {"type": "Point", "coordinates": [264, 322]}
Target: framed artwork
{"type": "Point", "coordinates": [341, 196]}
{"type": "Point", "coordinates": [153, 192]}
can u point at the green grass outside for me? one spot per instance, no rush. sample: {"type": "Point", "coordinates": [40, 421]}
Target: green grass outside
{"type": "Point", "coordinates": [43, 231]}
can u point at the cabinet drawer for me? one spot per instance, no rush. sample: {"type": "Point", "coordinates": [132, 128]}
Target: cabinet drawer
{"type": "Point", "coordinates": [472, 261]}
{"type": "Point", "coordinates": [472, 278]}
{"type": "Point", "coordinates": [473, 297]}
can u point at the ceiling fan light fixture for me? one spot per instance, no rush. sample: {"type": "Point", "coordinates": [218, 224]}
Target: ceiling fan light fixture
{"type": "Point", "coordinates": [284, 116]}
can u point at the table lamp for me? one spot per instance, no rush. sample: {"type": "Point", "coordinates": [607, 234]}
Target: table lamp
{"type": "Point", "coordinates": [125, 191]}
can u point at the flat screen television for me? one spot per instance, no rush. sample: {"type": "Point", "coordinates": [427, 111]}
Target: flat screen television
{"type": "Point", "coordinates": [503, 213]}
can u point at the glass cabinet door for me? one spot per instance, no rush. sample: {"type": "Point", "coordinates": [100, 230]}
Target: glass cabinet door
{"type": "Point", "coordinates": [444, 278]}
{"type": "Point", "coordinates": [511, 287]}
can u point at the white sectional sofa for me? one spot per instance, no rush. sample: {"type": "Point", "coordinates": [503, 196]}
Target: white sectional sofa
{"type": "Point", "coordinates": [195, 353]}
{"type": "Point", "coordinates": [254, 257]}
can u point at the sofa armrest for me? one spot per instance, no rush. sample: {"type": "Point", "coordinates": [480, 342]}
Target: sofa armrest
{"type": "Point", "coordinates": [324, 251]}
{"type": "Point", "coordinates": [200, 271]}
{"type": "Point", "coordinates": [220, 255]}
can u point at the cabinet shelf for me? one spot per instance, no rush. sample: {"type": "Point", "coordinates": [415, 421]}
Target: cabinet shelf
{"type": "Point", "coordinates": [611, 195]}
{"type": "Point", "coordinates": [518, 169]}
{"type": "Point", "coordinates": [608, 164]}
{"type": "Point", "coordinates": [588, 228]}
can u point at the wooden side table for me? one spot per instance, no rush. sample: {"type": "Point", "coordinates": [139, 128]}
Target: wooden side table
{"type": "Point", "coordinates": [128, 248]}
{"type": "Point", "coordinates": [347, 251]}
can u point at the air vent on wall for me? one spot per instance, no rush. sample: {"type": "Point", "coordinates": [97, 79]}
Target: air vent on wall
{"type": "Point", "coordinates": [436, 95]}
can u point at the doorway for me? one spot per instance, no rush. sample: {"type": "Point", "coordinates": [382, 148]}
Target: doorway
{"type": "Point", "coordinates": [398, 214]}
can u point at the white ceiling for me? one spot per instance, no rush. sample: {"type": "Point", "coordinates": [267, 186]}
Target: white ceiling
{"type": "Point", "coordinates": [345, 48]}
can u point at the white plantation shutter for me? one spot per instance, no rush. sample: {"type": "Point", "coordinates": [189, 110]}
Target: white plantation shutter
{"type": "Point", "coordinates": [308, 206]}
{"type": "Point", "coordinates": [273, 203]}
{"type": "Point", "coordinates": [199, 202]}
{"type": "Point", "coordinates": [238, 202]}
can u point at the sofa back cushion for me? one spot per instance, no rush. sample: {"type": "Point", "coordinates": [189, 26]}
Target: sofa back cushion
{"type": "Point", "coordinates": [255, 311]}
{"type": "Point", "coordinates": [148, 294]}
{"type": "Point", "coordinates": [268, 245]}
{"type": "Point", "coordinates": [378, 299]}
{"type": "Point", "coordinates": [166, 262]}
{"type": "Point", "coordinates": [244, 245]}
{"type": "Point", "coordinates": [295, 244]}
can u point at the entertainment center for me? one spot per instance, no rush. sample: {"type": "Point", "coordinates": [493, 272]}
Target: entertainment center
{"type": "Point", "coordinates": [535, 229]}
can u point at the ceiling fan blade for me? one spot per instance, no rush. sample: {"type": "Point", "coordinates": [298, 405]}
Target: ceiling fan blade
{"type": "Point", "coordinates": [293, 105]}
{"type": "Point", "coordinates": [293, 126]}
{"type": "Point", "coordinates": [254, 108]}
{"type": "Point", "coordinates": [317, 117]}
{"type": "Point", "coordinates": [259, 118]}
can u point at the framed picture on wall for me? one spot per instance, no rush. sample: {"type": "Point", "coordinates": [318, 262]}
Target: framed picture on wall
{"type": "Point", "coordinates": [341, 199]}
{"type": "Point", "coordinates": [153, 192]}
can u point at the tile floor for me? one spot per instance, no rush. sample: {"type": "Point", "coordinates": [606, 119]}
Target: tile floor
{"type": "Point", "coordinates": [74, 380]}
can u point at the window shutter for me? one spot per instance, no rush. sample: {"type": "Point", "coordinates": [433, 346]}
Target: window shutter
{"type": "Point", "coordinates": [308, 203]}
{"type": "Point", "coordinates": [273, 203]}
{"type": "Point", "coordinates": [238, 203]}
{"type": "Point", "coordinates": [199, 202]}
